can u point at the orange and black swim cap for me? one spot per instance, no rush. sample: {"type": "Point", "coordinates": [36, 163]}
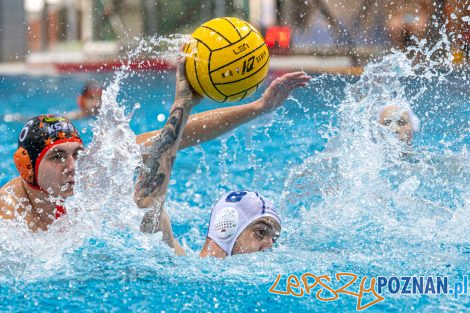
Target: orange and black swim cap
{"type": "Point", "coordinates": [38, 135]}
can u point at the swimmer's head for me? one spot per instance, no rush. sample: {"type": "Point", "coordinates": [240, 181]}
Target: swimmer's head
{"type": "Point", "coordinates": [401, 121]}
{"type": "Point", "coordinates": [244, 222]}
{"type": "Point", "coordinates": [47, 149]}
{"type": "Point", "coordinates": [89, 100]}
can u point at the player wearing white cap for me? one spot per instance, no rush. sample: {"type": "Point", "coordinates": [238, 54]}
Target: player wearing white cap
{"type": "Point", "coordinates": [401, 121]}
{"type": "Point", "coordinates": [241, 222]}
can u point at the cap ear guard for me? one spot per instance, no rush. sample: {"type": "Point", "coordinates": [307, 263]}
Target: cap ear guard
{"type": "Point", "coordinates": [24, 165]}
{"type": "Point", "coordinates": [226, 222]}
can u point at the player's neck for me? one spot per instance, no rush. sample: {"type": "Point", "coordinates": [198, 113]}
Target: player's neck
{"type": "Point", "coordinates": [212, 249]}
{"type": "Point", "coordinates": [42, 205]}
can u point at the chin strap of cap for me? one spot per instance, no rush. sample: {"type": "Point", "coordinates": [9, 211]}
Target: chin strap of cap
{"type": "Point", "coordinates": [59, 211]}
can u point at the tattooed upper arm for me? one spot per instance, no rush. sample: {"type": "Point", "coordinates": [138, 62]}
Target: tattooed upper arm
{"type": "Point", "coordinates": [157, 167]}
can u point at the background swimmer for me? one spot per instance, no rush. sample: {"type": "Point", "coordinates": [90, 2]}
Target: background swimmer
{"type": "Point", "coordinates": [400, 121]}
{"type": "Point", "coordinates": [241, 222]}
{"type": "Point", "coordinates": [89, 102]}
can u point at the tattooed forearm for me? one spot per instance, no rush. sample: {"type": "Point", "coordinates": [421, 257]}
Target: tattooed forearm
{"type": "Point", "coordinates": [176, 119]}
{"type": "Point", "coordinates": [156, 172]}
{"type": "Point", "coordinates": [150, 222]}
{"type": "Point", "coordinates": [153, 181]}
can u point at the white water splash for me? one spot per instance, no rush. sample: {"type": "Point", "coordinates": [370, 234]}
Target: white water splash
{"type": "Point", "coordinates": [370, 194]}
{"type": "Point", "coordinates": [103, 201]}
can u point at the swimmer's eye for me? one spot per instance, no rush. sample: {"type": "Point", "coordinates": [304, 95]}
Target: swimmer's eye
{"type": "Point", "coordinates": [401, 122]}
{"type": "Point", "coordinates": [261, 232]}
{"type": "Point", "coordinates": [75, 154]}
{"type": "Point", "coordinates": [58, 157]}
{"type": "Point", "coordinates": [94, 97]}
{"type": "Point", "coordinates": [387, 122]}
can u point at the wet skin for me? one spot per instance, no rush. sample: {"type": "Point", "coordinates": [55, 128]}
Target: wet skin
{"type": "Point", "coordinates": [57, 169]}
{"type": "Point", "coordinates": [260, 235]}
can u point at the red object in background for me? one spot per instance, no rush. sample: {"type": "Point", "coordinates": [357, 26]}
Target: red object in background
{"type": "Point", "coordinates": [279, 35]}
{"type": "Point", "coordinates": [114, 65]}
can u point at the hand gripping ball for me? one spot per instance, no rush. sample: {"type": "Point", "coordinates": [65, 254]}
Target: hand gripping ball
{"type": "Point", "coordinates": [226, 59]}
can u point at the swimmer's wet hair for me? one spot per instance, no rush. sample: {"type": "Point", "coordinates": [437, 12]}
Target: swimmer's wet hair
{"type": "Point", "coordinates": [90, 86]}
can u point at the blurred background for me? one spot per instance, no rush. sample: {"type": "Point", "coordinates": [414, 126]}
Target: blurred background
{"type": "Point", "coordinates": [80, 31]}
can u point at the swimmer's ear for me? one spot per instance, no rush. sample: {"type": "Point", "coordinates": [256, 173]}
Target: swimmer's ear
{"type": "Point", "coordinates": [24, 165]}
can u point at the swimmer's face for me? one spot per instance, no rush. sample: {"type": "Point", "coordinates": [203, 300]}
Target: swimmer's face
{"type": "Point", "coordinates": [398, 121]}
{"type": "Point", "coordinates": [92, 101]}
{"type": "Point", "coordinates": [57, 169]}
{"type": "Point", "coordinates": [258, 236]}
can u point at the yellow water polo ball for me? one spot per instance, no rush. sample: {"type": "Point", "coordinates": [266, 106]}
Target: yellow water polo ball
{"type": "Point", "coordinates": [226, 59]}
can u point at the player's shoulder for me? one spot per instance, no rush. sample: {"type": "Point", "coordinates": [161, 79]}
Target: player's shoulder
{"type": "Point", "coordinates": [12, 195]}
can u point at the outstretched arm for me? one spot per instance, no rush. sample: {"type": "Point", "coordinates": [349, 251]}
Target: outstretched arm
{"type": "Point", "coordinates": [74, 115]}
{"type": "Point", "coordinates": [153, 181]}
{"type": "Point", "coordinates": [208, 125]}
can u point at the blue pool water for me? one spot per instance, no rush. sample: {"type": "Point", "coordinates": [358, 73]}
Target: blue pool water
{"type": "Point", "coordinates": [349, 203]}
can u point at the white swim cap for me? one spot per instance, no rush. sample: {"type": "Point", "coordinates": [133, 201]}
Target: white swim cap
{"type": "Point", "coordinates": [233, 213]}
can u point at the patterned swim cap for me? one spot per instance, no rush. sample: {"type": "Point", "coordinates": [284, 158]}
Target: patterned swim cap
{"type": "Point", "coordinates": [38, 135]}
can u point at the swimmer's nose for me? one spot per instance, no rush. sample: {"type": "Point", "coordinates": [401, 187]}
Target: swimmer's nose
{"type": "Point", "coordinates": [394, 128]}
{"type": "Point", "coordinates": [69, 165]}
{"type": "Point", "coordinates": [267, 244]}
